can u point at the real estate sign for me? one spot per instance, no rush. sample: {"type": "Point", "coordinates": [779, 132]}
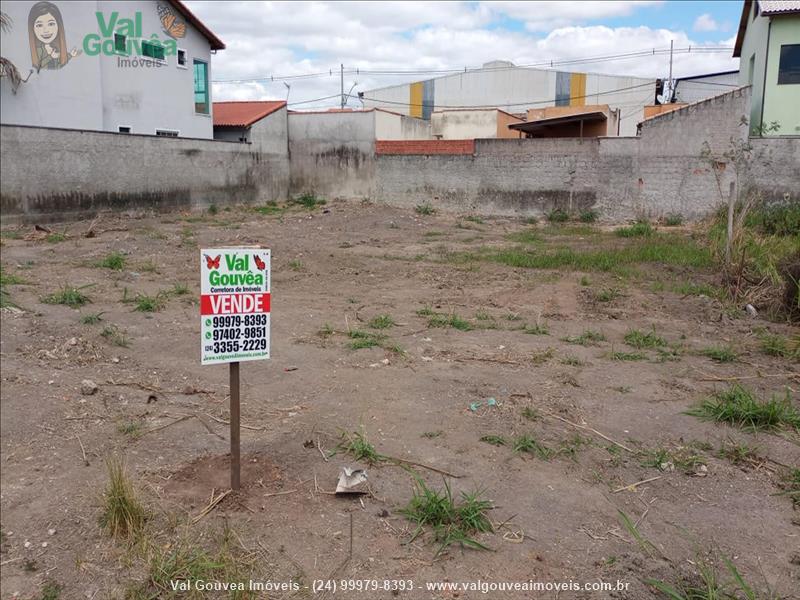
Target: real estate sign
{"type": "Point", "coordinates": [234, 304]}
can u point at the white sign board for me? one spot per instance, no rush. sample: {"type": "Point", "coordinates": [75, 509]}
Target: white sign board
{"type": "Point", "coordinates": [234, 304]}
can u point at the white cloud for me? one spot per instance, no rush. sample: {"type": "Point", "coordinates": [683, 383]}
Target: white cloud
{"type": "Point", "coordinates": [705, 22]}
{"type": "Point", "coordinates": [296, 38]}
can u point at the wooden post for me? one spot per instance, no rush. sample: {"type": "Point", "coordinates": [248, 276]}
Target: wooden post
{"type": "Point", "coordinates": [235, 459]}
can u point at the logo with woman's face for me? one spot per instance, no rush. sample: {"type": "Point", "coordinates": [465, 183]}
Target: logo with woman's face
{"type": "Point", "coordinates": [47, 37]}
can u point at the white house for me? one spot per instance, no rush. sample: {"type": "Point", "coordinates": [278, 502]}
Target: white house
{"type": "Point", "coordinates": [129, 67]}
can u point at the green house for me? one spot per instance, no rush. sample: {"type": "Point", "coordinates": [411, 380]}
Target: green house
{"type": "Point", "coordinates": [768, 44]}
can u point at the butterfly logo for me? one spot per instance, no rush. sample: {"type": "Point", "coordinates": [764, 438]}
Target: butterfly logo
{"type": "Point", "coordinates": [172, 26]}
{"type": "Point", "coordinates": [212, 263]}
{"type": "Point", "coordinates": [260, 263]}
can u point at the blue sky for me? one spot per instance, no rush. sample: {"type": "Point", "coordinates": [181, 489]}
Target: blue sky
{"type": "Point", "coordinates": [274, 39]}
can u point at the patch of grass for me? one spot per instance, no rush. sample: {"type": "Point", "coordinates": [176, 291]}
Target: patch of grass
{"type": "Point", "coordinates": [638, 229]}
{"type": "Point", "coordinates": [91, 318]}
{"type": "Point", "coordinates": [212, 209]}
{"type": "Point", "coordinates": [326, 331]}
{"type": "Point", "coordinates": [572, 446]}
{"type": "Point", "coordinates": [113, 335]}
{"type": "Point", "coordinates": [528, 444]}
{"type": "Point", "coordinates": [643, 543]}
{"type": "Point", "coordinates": [494, 440]}
{"type": "Point", "coordinates": [584, 281]}
{"type": "Point", "coordinates": [114, 261]}
{"type": "Point", "coordinates": [690, 288]}
{"type": "Point", "coordinates": [145, 303]}
{"type": "Point", "coordinates": [474, 219]}
{"type": "Point", "coordinates": [738, 454]}
{"type": "Point", "coordinates": [449, 320]}
{"type": "Point", "coordinates": [738, 406]}
{"type": "Point", "coordinates": [363, 339]}
{"type": "Point", "coordinates": [8, 279]}
{"type": "Point", "coordinates": [123, 514]}
{"type": "Point", "coordinates": [663, 459]}
{"type": "Point", "coordinates": [572, 361]}
{"type": "Point", "coordinates": [628, 356]}
{"type": "Point", "coordinates": [424, 209]}
{"type": "Point", "coordinates": [68, 296]}
{"type": "Point", "coordinates": [778, 345]}
{"type": "Point", "coordinates": [557, 216]}
{"type": "Point", "coordinates": [779, 219]}
{"type": "Point", "coordinates": [270, 208]}
{"type": "Point", "coordinates": [131, 428]}
{"type": "Point", "coordinates": [673, 220]}
{"type": "Point", "coordinates": [452, 521]}
{"type": "Point", "coordinates": [708, 585]}
{"type": "Point", "coordinates": [524, 237]}
{"type": "Point", "coordinates": [530, 413]}
{"type": "Point", "coordinates": [51, 590]}
{"type": "Point", "coordinates": [55, 238]}
{"type": "Point", "coordinates": [382, 322]}
{"type": "Point", "coordinates": [790, 483]}
{"type": "Point", "coordinates": [639, 339]}
{"type": "Point", "coordinates": [607, 294]}
{"type": "Point", "coordinates": [588, 216]}
{"type": "Point", "coordinates": [307, 200]}
{"type": "Point", "coordinates": [721, 354]}
{"type": "Point", "coordinates": [179, 289]}
{"type": "Point", "coordinates": [432, 434]}
{"type": "Point", "coordinates": [295, 265]}
{"type": "Point", "coordinates": [531, 220]}
{"type": "Point", "coordinates": [587, 338]}
{"type": "Point", "coordinates": [538, 329]}
{"type": "Point", "coordinates": [542, 356]}
{"type": "Point", "coordinates": [359, 447]}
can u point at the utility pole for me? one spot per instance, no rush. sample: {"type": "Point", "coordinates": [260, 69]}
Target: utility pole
{"type": "Point", "coordinates": [341, 81]}
{"type": "Point", "coordinates": [671, 91]}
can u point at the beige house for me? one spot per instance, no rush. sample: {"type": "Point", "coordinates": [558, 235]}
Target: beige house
{"type": "Point", "coordinates": [473, 123]}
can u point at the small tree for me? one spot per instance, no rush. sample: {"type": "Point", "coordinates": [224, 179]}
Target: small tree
{"type": "Point", "coordinates": [7, 68]}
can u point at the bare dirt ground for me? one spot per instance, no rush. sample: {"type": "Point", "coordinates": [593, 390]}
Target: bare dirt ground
{"type": "Point", "coordinates": [423, 396]}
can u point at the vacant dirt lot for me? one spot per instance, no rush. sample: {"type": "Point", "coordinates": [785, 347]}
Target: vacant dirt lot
{"type": "Point", "coordinates": [548, 345]}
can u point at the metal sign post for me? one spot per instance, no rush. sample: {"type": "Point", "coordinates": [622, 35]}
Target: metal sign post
{"type": "Point", "coordinates": [234, 321]}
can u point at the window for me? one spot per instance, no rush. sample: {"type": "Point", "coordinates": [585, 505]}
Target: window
{"type": "Point", "coordinates": [153, 50]}
{"type": "Point", "coordinates": [167, 132]}
{"type": "Point", "coordinates": [789, 65]}
{"type": "Point", "coordinates": [182, 59]}
{"type": "Point", "coordinates": [201, 87]}
{"type": "Point", "coordinates": [124, 129]}
{"type": "Point", "coordinates": [120, 44]}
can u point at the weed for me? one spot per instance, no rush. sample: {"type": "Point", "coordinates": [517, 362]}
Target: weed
{"type": "Point", "coordinates": [424, 209]}
{"type": "Point", "coordinates": [212, 209]}
{"type": "Point", "coordinates": [584, 281]}
{"type": "Point", "coordinates": [296, 265]}
{"type": "Point", "coordinates": [382, 322]}
{"type": "Point", "coordinates": [113, 335]}
{"type": "Point", "coordinates": [8, 279]}
{"type": "Point", "coordinates": [114, 261]}
{"type": "Point", "coordinates": [179, 289]}
{"type": "Point", "coordinates": [531, 220]}
{"type": "Point", "coordinates": [474, 219]}
{"type": "Point", "coordinates": [513, 317]}
{"type": "Point", "coordinates": [451, 320]}
{"type": "Point", "coordinates": [69, 296]}
{"type": "Point", "coordinates": [270, 208]}
{"type": "Point", "coordinates": [123, 515]}
{"type": "Point", "coordinates": [644, 544]}
{"type": "Point", "coordinates": [530, 413]}
{"type": "Point", "coordinates": [572, 361]}
{"type": "Point", "coordinates": [307, 200]}
{"type": "Point", "coordinates": [777, 345]}
{"type": "Point", "coordinates": [627, 356]}
{"type": "Point", "coordinates": [607, 294]}
{"type": "Point", "coordinates": [131, 428]}
{"type": "Point", "coordinates": [54, 238]}
{"type": "Point", "coordinates": [524, 237]}
{"type": "Point", "coordinates": [359, 447]}
{"type": "Point", "coordinates": [51, 590]}
{"type": "Point", "coordinates": [720, 353]}
{"type": "Point", "coordinates": [363, 339]}
{"type": "Point", "coordinates": [432, 434]}
{"type": "Point", "coordinates": [542, 356]}
{"type": "Point", "coordinates": [145, 303]}
{"type": "Point", "coordinates": [588, 216]}
{"type": "Point", "coordinates": [690, 288]}
{"type": "Point", "coordinates": [738, 406]}
{"type": "Point", "coordinates": [526, 443]}
{"type": "Point", "coordinates": [587, 338]}
{"type": "Point", "coordinates": [639, 339]}
{"type": "Point", "coordinates": [638, 229]}
{"type": "Point", "coordinates": [452, 521]}
{"type": "Point", "coordinates": [494, 440]}
{"type": "Point", "coordinates": [790, 482]}
{"type": "Point", "coordinates": [92, 318]}
{"type": "Point", "coordinates": [538, 329]}
{"type": "Point", "coordinates": [709, 585]}
{"type": "Point", "coordinates": [572, 446]}
{"type": "Point", "coordinates": [738, 454]}
{"type": "Point", "coordinates": [326, 331]}
{"type": "Point", "coordinates": [557, 216]}
{"type": "Point", "coordinates": [664, 459]}
{"type": "Point", "coordinates": [673, 220]}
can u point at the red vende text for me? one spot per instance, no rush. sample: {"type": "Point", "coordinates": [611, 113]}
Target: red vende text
{"type": "Point", "coordinates": [227, 304]}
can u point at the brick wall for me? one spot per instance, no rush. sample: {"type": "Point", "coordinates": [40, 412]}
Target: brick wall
{"type": "Point", "coordinates": [424, 147]}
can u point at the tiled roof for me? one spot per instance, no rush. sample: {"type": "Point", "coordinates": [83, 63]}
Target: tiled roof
{"type": "Point", "coordinates": [244, 114]}
{"type": "Point", "coordinates": [776, 7]}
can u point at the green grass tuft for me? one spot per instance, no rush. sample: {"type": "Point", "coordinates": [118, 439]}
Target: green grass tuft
{"type": "Point", "coordinates": [145, 303]}
{"type": "Point", "coordinates": [114, 261]}
{"type": "Point", "coordinates": [449, 320]}
{"type": "Point", "coordinates": [55, 238]}
{"type": "Point", "coordinates": [638, 229]}
{"type": "Point", "coordinates": [359, 447]}
{"type": "Point", "coordinates": [673, 220]}
{"type": "Point", "coordinates": [588, 216]}
{"type": "Point", "coordinates": [424, 209]}
{"type": "Point", "coordinates": [91, 318]}
{"type": "Point", "coordinates": [587, 338]}
{"type": "Point", "coordinates": [778, 345]}
{"type": "Point", "coordinates": [307, 200]}
{"type": "Point", "coordinates": [639, 339]}
{"type": "Point", "coordinates": [382, 322]}
{"type": "Point", "coordinates": [738, 406]}
{"type": "Point", "coordinates": [530, 413]}
{"type": "Point", "coordinates": [538, 329]}
{"type": "Point", "coordinates": [557, 216]}
{"type": "Point", "coordinates": [628, 356]}
{"type": "Point", "coordinates": [720, 353]}
{"type": "Point", "coordinates": [123, 515]}
{"type": "Point", "coordinates": [494, 440]}
{"type": "Point", "coordinates": [528, 444]}
{"type": "Point", "coordinates": [114, 336]}
{"type": "Point", "coordinates": [68, 296]}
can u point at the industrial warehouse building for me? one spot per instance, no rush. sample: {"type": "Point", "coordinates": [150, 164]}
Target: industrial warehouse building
{"type": "Point", "coordinates": [513, 89]}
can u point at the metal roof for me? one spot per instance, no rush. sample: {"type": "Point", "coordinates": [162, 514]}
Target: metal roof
{"type": "Point", "coordinates": [777, 7]}
{"type": "Point", "coordinates": [531, 126]}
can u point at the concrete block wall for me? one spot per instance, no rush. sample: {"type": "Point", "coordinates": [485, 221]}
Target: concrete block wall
{"type": "Point", "coordinates": [60, 174]}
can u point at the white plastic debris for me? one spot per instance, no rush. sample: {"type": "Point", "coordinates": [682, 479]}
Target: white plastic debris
{"type": "Point", "coordinates": [751, 310]}
{"type": "Point", "coordinates": [352, 481]}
